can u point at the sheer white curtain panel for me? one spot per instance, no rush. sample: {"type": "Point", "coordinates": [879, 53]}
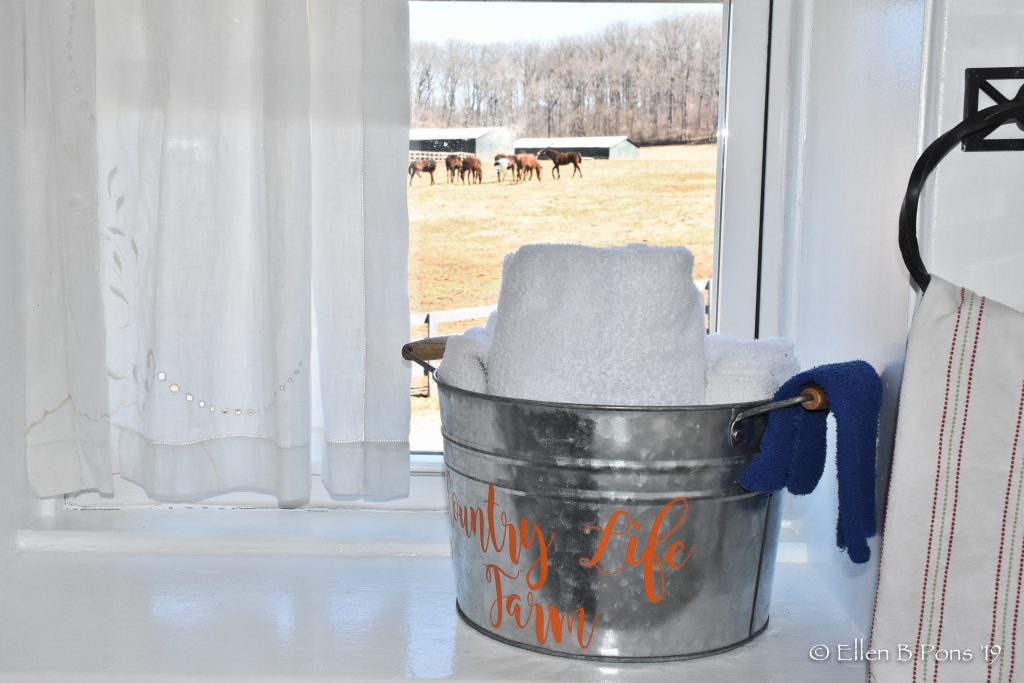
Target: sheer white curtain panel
{"type": "Point", "coordinates": [219, 238]}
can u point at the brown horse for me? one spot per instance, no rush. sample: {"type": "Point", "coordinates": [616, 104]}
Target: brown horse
{"type": "Point", "coordinates": [454, 165]}
{"type": "Point", "coordinates": [416, 166]}
{"type": "Point", "coordinates": [474, 167]}
{"type": "Point", "coordinates": [563, 159]}
{"type": "Point", "coordinates": [527, 165]}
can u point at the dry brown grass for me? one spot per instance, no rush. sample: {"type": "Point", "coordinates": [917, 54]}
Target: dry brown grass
{"type": "Point", "coordinates": [459, 234]}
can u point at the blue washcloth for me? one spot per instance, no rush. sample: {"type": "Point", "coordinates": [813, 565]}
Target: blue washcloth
{"type": "Point", "coordinates": [793, 447]}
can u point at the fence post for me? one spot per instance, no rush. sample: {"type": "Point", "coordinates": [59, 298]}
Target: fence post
{"type": "Point", "coordinates": [431, 332]}
{"type": "Point", "coordinates": [707, 306]}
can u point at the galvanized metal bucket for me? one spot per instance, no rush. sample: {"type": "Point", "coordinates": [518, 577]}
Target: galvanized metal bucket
{"type": "Point", "coordinates": [609, 533]}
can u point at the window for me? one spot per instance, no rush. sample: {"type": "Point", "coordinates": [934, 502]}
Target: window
{"type": "Point", "coordinates": [439, 283]}
{"type": "Point", "coordinates": [633, 87]}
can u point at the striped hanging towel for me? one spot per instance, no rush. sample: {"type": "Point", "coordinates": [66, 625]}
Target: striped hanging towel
{"type": "Point", "coordinates": [951, 579]}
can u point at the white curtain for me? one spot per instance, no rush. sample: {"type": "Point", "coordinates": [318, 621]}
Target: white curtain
{"type": "Point", "coordinates": [216, 246]}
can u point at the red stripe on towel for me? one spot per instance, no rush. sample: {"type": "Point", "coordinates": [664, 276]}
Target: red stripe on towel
{"type": "Point", "coordinates": [938, 477]}
{"type": "Point", "coordinates": [1002, 534]}
{"type": "Point", "coordinates": [1017, 609]}
{"type": "Point", "coordinates": [1020, 566]}
{"type": "Point", "coordinates": [956, 485]}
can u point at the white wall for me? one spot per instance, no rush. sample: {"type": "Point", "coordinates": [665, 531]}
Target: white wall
{"type": "Point", "coordinates": [16, 503]}
{"type": "Point", "coordinates": [865, 87]}
{"type": "Point", "coordinates": [971, 229]}
{"type": "Point", "coordinates": [843, 132]}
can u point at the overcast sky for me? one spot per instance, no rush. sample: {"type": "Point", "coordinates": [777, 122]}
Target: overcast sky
{"type": "Point", "coordinates": [495, 22]}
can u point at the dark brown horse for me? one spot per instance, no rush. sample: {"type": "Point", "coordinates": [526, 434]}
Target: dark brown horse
{"type": "Point", "coordinates": [474, 167]}
{"type": "Point", "coordinates": [563, 159]}
{"type": "Point", "coordinates": [454, 165]}
{"type": "Point", "coordinates": [527, 165]}
{"type": "Point", "coordinates": [416, 166]}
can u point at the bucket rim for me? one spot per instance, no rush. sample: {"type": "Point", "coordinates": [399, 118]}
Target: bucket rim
{"type": "Point", "coordinates": [599, 406]}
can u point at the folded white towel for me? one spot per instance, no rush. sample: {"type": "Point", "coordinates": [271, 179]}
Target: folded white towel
{"type": "Point", "coordinates": [465, 361]}
{"type": "Point", "coordinates": [618, 326]}
{"type": "Point", "coordinates": [484, 335]}
{"type": "Point", "coordinates": [741, 370]}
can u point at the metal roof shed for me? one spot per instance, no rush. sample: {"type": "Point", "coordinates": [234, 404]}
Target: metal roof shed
{"type": "Point", "coordinates": [601, 147]}
{"type": "Point", "coordinates": [483, 142]}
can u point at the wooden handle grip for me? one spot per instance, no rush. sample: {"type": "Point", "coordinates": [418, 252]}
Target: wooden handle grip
{"type": "Point", "coordinates": [431, 348]}
{"type": "Point", "coordinates": [819, 399]}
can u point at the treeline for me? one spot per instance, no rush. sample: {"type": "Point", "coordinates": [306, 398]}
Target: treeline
{"type": "Point", "coordinates": [656, 83]}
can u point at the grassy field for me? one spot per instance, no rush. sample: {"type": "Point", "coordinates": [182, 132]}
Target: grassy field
{"type": "Point", "coordinates": [459, 234]}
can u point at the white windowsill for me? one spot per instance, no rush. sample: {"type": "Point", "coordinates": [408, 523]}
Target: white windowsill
{"type": "Point", "coordinates": [426, 493]}
{"type": "Point", "coordinates": [291, 595]}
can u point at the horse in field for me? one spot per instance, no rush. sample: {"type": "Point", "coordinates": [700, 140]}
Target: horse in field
{"type": "Point", "coordinates": [504, 163]}
{"type": "Point", "coordinates": [563, 159]}
{"type": "Point", "coordinates": [417, 166]}
{"type": "Point", "coordinates": [527, 165]}
{"type": "Point", "coordinates": [454, 165]}
{"type": "Point", "coordinates": [502, 166]}
{"type": "Point", "coordinates": [474, 167]}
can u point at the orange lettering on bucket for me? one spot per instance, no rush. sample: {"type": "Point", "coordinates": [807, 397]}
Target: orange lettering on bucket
{"type": "Point", "coordinates": [621, 523]}
{"type": "Point", "coordinates": [548, 620]}
{"type": "Point", "coordinates": [514, 538]}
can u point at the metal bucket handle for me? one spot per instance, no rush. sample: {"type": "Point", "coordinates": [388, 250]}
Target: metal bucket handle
{"type": "Point", "coordinates": [813, 397]}
{"type": "Point", "coordinates": [423, 350]}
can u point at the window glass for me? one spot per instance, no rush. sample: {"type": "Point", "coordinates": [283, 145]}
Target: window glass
{"type": "Point", "coordinates": [631, 87]}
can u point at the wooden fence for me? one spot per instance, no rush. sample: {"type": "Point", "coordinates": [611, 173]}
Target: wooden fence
{"type": "Point", "coordinates": [436, 156]}
{"type": "Point", "coordinates": [435, 318]}
{"type": "Point", "coordinates": [421, 385]}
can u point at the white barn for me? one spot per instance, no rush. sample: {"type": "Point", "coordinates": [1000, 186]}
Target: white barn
{"type": "Point", "coordinates": [600, 147]}
{"type": "Point", "coordinates": [483, 142]}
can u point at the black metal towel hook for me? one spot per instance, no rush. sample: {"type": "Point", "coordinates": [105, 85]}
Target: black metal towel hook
{"type": "Point", "coordinates": [983, 122]}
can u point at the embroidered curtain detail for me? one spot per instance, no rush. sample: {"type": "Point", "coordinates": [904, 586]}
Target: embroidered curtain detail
{"type": "Point", "coordinates": [216, 244]}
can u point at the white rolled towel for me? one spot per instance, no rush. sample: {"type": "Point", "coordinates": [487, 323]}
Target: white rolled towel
{"type": "Point", "coordinates": [465, 361]}
{"type": "Point", "coordinates": [742, 370]}
{"type": "Point", "coordinates": [484, 334]}
{"type": "Point", "coordinates": [612, 326]}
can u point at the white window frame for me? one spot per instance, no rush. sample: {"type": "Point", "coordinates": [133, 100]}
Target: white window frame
{"type": "Point", "coordinates": [743, 118]}
{"type": "Point", "coordinates": [737, 275]}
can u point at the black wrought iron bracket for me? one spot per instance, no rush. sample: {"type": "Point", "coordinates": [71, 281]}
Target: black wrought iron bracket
{"type": "Point", "coordinates": [977, 81]}
{"type": "Point", "coordinates": [972, 133]}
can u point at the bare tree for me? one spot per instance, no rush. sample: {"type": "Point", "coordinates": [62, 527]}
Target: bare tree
{"type": "Point", "coordinates": [656, 83]}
